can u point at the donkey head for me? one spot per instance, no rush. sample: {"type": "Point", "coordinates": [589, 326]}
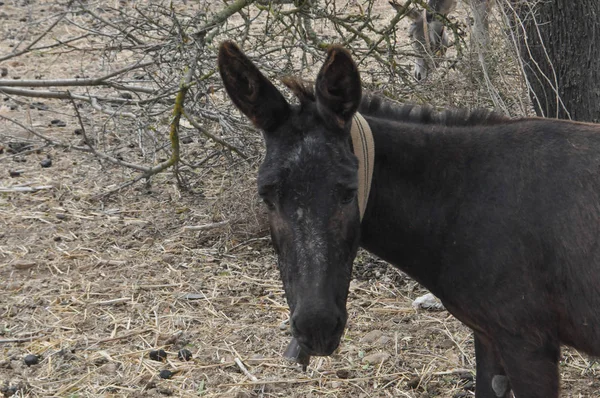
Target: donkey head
{"type": "Point", "coordinates": [428, 36]}
{"type": "Point", "coordinates": [308, 181]}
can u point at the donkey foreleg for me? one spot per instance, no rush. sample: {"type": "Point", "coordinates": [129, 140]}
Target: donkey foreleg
{"type": "Point", "coordinates": [531, 365]}
{"type": "Point", "coordinates": [491, 380]}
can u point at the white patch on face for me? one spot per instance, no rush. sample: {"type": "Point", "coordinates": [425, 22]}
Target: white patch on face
{"type": "Point", "coordinates": [310, 243]}
{"type": "Point", "coordinates": [309, 239]}
{"type": "Point", "coordinates": [303, 149]}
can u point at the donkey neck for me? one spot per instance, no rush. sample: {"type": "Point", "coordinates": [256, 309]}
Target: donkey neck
{"type": "Point", "coordinates": [418, 181]}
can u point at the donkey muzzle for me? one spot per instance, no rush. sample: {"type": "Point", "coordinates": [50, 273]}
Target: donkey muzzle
{"type": "Point", "coordinates": [319, 330]}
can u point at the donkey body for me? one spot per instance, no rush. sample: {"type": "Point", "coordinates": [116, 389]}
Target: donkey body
{"type": "Point", "coordinates": [428, 34]}
{"type": "Point", "coordinates": [499, 218]}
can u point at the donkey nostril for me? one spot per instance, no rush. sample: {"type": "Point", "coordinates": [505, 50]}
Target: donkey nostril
{"type": "Point", "coordinates": [317, 329]}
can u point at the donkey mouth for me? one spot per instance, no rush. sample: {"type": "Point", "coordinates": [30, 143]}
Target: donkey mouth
{"type": "Point", "coordinates": [318, 338]}
{"type": "Point", "coordinates": [317, 348]}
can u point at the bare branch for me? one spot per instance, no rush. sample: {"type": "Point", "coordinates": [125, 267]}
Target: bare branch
{"type": "Point", "coordinates": [213, 137]}
{"type": "Point", "coordinates": [34, 42]}
{"type": "Point", "coordinates": [97, 81]}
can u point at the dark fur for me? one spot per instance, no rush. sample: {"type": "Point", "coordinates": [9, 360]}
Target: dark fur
{"type": "Point", "coordinates": [498, 218]}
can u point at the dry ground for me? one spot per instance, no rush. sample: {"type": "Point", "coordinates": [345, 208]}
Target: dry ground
{"type": "Point", "coordinates": [92, 286]}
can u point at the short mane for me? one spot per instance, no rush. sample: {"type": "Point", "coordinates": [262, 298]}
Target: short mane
{"type": "Point", "coordinates": [377, 106]}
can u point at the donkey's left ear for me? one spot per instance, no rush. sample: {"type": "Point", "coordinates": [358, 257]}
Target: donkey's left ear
{"type": "Point", "coordinates": [338, 88]}
{"type": "Point", "coordinates": [250, 90]}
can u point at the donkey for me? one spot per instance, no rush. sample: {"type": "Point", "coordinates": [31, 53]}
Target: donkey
{"type": "Point", "coordinates": [428, 34]}
{"type": "Point", "coordinates": [499, 218]}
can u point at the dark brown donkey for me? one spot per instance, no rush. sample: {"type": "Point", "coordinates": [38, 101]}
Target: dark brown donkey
{"type": "Point", "coordinates": [499, 218]}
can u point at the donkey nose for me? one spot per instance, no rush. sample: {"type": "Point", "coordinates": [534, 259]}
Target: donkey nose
{"type": "Point", "coordinates": [318, 331]}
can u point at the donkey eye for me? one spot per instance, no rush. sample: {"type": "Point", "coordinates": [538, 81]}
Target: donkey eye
{"type": "Point", "coordinates": [348, 196]}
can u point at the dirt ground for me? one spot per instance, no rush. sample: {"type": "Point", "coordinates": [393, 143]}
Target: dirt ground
{"type": "Point", "coordinates": [91, 286]}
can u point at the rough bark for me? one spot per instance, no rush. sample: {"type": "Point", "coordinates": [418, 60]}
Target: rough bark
{"type": "Point", "coordinates": [560, 47]}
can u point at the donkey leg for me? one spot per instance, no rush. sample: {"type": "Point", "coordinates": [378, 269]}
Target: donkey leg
{"type": "Point", "coordinates": [531, 366]}
{"type": "Point", "coordinates": [491, 380]}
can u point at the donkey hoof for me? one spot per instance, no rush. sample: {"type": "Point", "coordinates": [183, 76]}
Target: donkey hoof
{"type": "Point", "coordinates": [500, 385]}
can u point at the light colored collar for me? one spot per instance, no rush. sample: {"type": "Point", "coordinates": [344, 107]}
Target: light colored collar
{"type": "Point", "coordinates": [364, 149]}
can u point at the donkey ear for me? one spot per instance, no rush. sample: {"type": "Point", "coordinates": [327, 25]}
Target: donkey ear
{"type": "Point", "coordinates": [338, 88]}
{"type": "Point", "coordinates": [250, 90]}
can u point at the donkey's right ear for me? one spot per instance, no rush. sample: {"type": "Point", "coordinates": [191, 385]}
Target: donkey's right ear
{"type": "Point", "coordinates": [250, 90]}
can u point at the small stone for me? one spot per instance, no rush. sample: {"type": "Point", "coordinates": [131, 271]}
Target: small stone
{"type": "Point", "coordinates": [383, 340]}
{"type": "Point", "coordinates": [3, 72]}
{"type": "Point", "coordinates": [57, 123]}
{"type": "Point", "coordinates": [165, 391]}
{"type": "Point", "coordinates": [428, 302]}
{"type": "Point", "coordinates": [23, 264]}
{"type": "Point", "coordinates": [31, 359]}
{"type": "Point", "coordinates": [15, 173]}
{"type": "Point", "coordinates": [109, 369]}
{"type": "Point", "coordinates": [78, 131]}
{"type": "Point", "coordinates": [45, 163]}
{"type": "Point", "coordinates": [186, 140]}
{"type": "Point", "coordinates": [371, 337]}
{"type": "Point", "coordinates": [40, 106]}
{"type": "Point", "coordinates": [158, 355]}
{"type": "Point", "coordinates": [376, 358]}
{"type": "Point", "coordinates": [336, 384]}
{"type": "Point", "coordinates": [413, 383]}
{"type": "Point", "coordinates": [165, 374]}
{"type": "Point", "coordinates": [184, 355]}
{"type": "Point", "coordinates": [342, 373]}
{"type": "Point", "coordinates": [61, 216]}
{"type": "Point", "coordinates": [284, 326]}
{"type": "Point", "coordinates": [126, 95]}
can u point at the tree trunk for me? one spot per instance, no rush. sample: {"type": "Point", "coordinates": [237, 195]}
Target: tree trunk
{"type": "Point", "coordinates": [560, 47]}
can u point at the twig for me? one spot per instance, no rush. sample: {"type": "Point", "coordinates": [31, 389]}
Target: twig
{"type": "Point", "coordinates": [206, 227]}
{"type": "Point", "coordinates": [37, 39]}
{"type": "Point", "coordinates": [213, 137]}
{"type": "Point", "coordinates": [20, 339]}
{"type": "Point", "coordinates": [220, 17]}
{"type": "Point", "coordinates": [25, 189]}
{"type": "Point", "coordinates": [112, 25]}
{"type": "Point", "coordinates": [97, 81]}
{"type": "Point", "coordinates": [240, 365]}
{"type": "Point", "coordinates": [125, 336]}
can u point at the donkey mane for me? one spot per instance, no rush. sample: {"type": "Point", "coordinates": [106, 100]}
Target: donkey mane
{"type": "Point", "coordinates": [377, 106]}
